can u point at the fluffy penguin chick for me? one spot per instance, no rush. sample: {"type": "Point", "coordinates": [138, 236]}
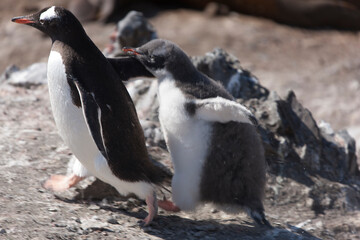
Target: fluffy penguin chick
{"type": "Point", "coordinates": [217, 153]}
{"type": "Point", "coordinates": [93, 111]}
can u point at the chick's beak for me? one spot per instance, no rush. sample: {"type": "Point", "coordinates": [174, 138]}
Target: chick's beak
{"type": "Point", "coordinates": [131, 51]}
{"type": "Point", "coordinates": [22, 20]}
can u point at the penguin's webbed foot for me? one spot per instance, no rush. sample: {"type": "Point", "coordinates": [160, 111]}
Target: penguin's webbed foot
{"type": "Point", "coordinates": [59, 183]}
{"type": "Point", "coordinates": [259, 218]}
{"type": "Point", "coordinates": [168, 205]}
{"type": "Point", "coordinates": [151, 203]}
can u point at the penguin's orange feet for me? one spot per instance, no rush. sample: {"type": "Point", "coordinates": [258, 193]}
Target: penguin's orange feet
{"type": "Point", "coordinates": [59, 183]}
{"type": "Point", "coordinates": [168, 205]}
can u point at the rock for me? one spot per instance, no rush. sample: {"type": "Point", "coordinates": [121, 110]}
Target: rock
{"type": "Point", "coordinates": [62, 225]}
{"type": "Point", "coordinates": [348, 143]}
{"type": "Point", "coordinates": [93, 207]}
{"type": "Point", "coordinates": [112, 221]}
{"type": "Point", "coordinates": [87, 10]}
{"type": "Point", "coordinates": [325, 13]}
{"type": "Point", "coordinates": [224, 67]}
{"type": "Point", "coordinates": [8, 71]}
{"type": "Point", "coordinates": [33, 75]}
{"type": "Point", "coordinates": [97, 190]}
{"type": "Point", "coordinates": [144, 95]}
{"type": "Point", "coordinates": [132, 31]}
{"type": "Point", "coordinates": [94, 224]}
{"type": "Point", "coordinates": [289, 130]}
{"type": "Point", "coordinates": [53, 209]}
{"type": "Point", "coordinates": [153, 134]}
{"type": "Point", "coordinates": [72, 229]}
{"type": "Point", "coordinates": [329, 195]}
{"type": "Point", "coordinates": [354, 132]}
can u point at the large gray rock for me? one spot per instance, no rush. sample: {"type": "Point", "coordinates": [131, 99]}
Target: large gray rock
{"type": "Point", "coordinates": [7, 73]}
{"type": "Point", "coordinates": [224, 67]}
{"type": "Point", "coordinates": [133, 30]}
{"type": "Point", "coordinates": [296, 137]}
{"type": "Point", "coordinates": [87, 10]}
{"type": "Point", "coordinates": [33, 75]}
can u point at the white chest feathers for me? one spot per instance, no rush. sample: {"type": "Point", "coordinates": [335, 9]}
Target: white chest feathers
{"type": "Point", "coordinates": [187, 139]}
{"type": "Point", "coordinates": [69, 118]}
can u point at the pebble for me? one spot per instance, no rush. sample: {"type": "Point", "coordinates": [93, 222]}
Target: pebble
{"type": "Point", "coordinates": [76, 219]}
{"type": "Point", "coordinates": [2, 231]}
{"type": "Point", "coordinates": [52, 209]}
{"type": "Point", "coordinates": [60, 225]}
{"type": "Point", "coordinates": [93, 223]}
{"type": "Point", "coordinates": [72, 229]}
{"type": "Point", "coordinates": [94, 207]}
{"type": "Point", "coordinates": [112, 221]}
{"type": "Point", "coordinates": [214, 210]}
{"type": "Point", "coordinates": [40, 190]}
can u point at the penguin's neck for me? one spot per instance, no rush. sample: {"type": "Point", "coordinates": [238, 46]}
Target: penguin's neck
{"type": "Point", "coordinates": [164, 75]}
{"type": "Point", "coordinates": [78, 48]}
{"type": "Point", "coordinates": [181, 73]}
{"type": "Point", "coordinates": [184, 71]}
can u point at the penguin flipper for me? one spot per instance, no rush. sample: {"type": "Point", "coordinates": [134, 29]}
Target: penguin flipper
{"type": "Point", "coordinates": [103, 121]}
{"type": "Point", "coordinates": [219, 110]}
{"type": "Point", "coordinates": [92, 114]}
{"type": "Point", "coordinates": [129, 67]}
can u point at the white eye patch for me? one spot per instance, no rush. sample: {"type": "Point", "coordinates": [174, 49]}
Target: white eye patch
{"type": "Point", "coordinates": [49, 14]}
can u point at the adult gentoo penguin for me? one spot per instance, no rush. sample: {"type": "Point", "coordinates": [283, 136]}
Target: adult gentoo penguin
{"type": "Point", "coordinates": [93, 111]}
{"type": "Point", "coordinates": [217, 154]}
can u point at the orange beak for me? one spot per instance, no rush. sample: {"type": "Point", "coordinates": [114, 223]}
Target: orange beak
{"type": "Point", "coordinates": [22, 20]}
{"type": "Point", "coordinates": [130, 50]}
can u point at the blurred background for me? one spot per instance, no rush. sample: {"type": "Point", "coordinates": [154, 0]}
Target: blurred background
{"type": "Point", "coordinates": [312, 47]}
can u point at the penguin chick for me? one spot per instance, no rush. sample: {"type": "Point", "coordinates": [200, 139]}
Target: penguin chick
{"type": "Point", "coordinates": [217, 154]}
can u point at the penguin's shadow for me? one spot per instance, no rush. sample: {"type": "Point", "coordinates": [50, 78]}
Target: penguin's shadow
{"type": "Point", "coordinates": [177, 227]}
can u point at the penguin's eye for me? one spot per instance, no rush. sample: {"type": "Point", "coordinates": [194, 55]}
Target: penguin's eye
{"type": "Point", "coordinates": [42, 21]}
{"type": "Point", "coordinates": [152, 59]}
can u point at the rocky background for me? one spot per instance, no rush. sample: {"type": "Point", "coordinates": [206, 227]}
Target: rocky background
{"type": "Point", "coordinates": [301, 84]}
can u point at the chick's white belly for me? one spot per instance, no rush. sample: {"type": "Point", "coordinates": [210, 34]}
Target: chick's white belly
{"type": "Point", "coordinates": [187, 139]}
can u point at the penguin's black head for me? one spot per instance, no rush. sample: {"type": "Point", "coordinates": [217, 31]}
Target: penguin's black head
{"type": "Point", "coordinates": [161, 58]}
{"type": "Point", "coordinates": [57, 22]}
